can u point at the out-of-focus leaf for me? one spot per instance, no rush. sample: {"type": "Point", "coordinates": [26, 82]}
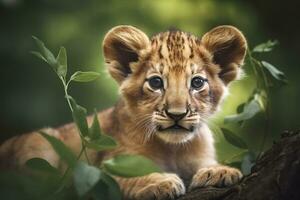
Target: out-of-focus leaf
{"type": "Point", "coordinates": [84, 76]}
{"type": "Point", "coordinates": [46, 53]}
{"type": "Point", "coordinates": [61, 149]}
{"type": "Point", "coordinates": [130, 166]}
{"type": "Point", "coordinates": [236, 164]}
{"type": "Point", "coordinates": [107, 189]}
{"type": "Point", "coordinates": [261, 98]}
{"type": "Point", "coordinates": [39, 55]}
{"type": "Point", "coordinates": [279, 75]}
{"type": "Point", "coordinates": [41, 165]}
{"type": "Point", "coordinates": [62, 62]}
{"type": "Point", "coordinates": [240, 108]}
{"type": "Point", "coordinates": [265, 47]}
{"type": "Point", "coordinates": [234, 139]}
{"type": "Point", "coordinates": [113, 187]}
{"type": "Point", "coordinates": [96, 140]}
{"type": "Point", "coordinates": [236, 158]}
{"type": "Point", "coordinates": [250, 110]}
{"type": "Point", "coordinates": [216, 130]}
{"type": "Point", "coordinates": [79, 116]}
{"type": "Point", "coordinates": [15, 185]}
{"type": "Point", "coordinates": [104, 142]}
{"type": "Point", "coordinates": [94, 130]}
{"type": "Point", "coordinates": [85, 178]}
{"type": "Point", "coordinates": [100, 191]}
{"type": "Point", "coordinates": [247, 163]}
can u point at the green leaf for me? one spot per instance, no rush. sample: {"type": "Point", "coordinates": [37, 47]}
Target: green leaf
{"type": "Point", "coordinates": [237, 157]}
{"type": "Point", "coordinates": [100, 191]}
{"type": "Point", "coordinates": [62, 62]}
{"type": "Point", "coordinates": [130, 166]}
{"type": "Point", "coordinates": [235, 164]}
{"type": "Point", "coordinates": [104, 142]}
{"type": "Point", "coordinates": [79, 115]}
{"type": "Point", "coordinates": [94, 130]}
{"type": "Point", "coordinates": [84, 76]}
{"type": "Point", "coordinates": [39, 55]}
{"type": "Point", "coordinates": [85, 178]}
{"type": "Point", "coordinates": [234, 139]}
{"type": "Point", "coordinates": [46, 53]}
{"type": "Point", "coordinates": [61, 149]}
{"type": "Point", "coordinates": [279, 75]}
{"type": "Point", "coordinates": [114, 190]}
{"type": "Point", "coordinates": [107, 189]}
{"type": "Point", "coordinates": [17, 185]}
{"type": "Point", "coordinates": [41, 165]}
{"type": "Point", "coordinates": [240, 108]}
{"type": "Point", "coordinates": [96, 140]}
{"type": "Point", "coordinates": [265, 47]}
{"type": "Point", "coordinates": [250, 110]}
{"type": "Point", "coordinates": [261, 98]}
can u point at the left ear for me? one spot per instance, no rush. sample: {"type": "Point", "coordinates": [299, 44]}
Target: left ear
{"type": "Point", "coordinates": [122, 47]}
{"type": "Point", "coordinates": [228, 48]}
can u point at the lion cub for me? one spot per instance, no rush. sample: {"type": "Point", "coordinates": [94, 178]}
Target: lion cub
{"type": "Point", "coordinates": [170, 85]}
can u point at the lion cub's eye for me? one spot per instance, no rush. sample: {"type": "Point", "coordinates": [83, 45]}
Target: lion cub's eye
{"type": "Point", "coordinates": [198, 82]}
{"type": "Point", "coordinates": [156, 82]}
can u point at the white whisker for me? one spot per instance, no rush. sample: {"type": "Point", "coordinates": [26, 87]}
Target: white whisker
{"type": "Point", "coordinates": [145, 125]}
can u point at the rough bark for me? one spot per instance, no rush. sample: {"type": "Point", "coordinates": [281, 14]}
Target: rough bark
{"type": "Point", "coordinates": [276, 175]}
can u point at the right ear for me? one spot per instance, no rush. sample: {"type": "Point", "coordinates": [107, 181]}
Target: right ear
{"type": "Point", "coordinates": [123, 45]}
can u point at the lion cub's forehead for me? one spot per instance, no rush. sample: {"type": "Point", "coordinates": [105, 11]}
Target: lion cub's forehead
{"type": "Point", "coordinates": [177, 51]}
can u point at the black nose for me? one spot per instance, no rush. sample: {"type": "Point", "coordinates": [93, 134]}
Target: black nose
{"type": "Point", "coordinates": [176, 115]}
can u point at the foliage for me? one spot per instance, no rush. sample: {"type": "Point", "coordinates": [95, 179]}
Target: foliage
{"type": "Point", "coordinates": [265, 74]}
{"type": "Point", "coordinates": [80, 180]}
{"type": "Point", "coordinates": [122, 165]}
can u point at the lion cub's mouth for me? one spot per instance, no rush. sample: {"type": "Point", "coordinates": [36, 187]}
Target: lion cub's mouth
{"type": "Point", "coordinates": [176, 128]}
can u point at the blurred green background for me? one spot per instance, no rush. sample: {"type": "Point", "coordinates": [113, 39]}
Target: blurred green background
{"type": "Point", "coordinates": [32, 96]}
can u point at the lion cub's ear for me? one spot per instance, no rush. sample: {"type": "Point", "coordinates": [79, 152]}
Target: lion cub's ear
{"type": "Point", "coordinates": [122, 46]}
{"type": "Point", "coordinates": [228, 47]}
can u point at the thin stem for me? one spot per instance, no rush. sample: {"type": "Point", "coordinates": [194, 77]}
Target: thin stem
{"type": "Point", "coordinates": [264, 86]}
{"type": "Point", "coordinates": [263, 73]}
{"type": "Point", "coordinates": [83, 147]}
{"type": "Point", "coordinates": [84, 150]}
{"type": "Point", "coordinates": [78, 157]}
{"type": "Point", "coordinates": [251, 59]}
{"type": "Point", "coordinates": [267, 127]}
{"type": "Point", "coordinates": [66, 86]}
{"type": "Point", "coordinates": [266, 113]}
{"type": "Point", "coordinates": [66, 91]}
{"type": "Point", "coordinates": [86, 156]}
{"type": "Point", "coordinates": [62, 181]}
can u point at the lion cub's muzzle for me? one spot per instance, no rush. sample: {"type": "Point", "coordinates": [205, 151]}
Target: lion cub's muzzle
{"type": "Point", "coordinates": [176, 116]}
{"type": "Point", "coordinates": [177, 122]}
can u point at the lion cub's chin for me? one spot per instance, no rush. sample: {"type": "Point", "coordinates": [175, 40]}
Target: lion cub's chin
{"type": "Point", "coordinates": [175, 137]}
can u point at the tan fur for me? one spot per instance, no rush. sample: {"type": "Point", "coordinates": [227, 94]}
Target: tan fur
{"type": "Point", "coordinates": [141, 119]}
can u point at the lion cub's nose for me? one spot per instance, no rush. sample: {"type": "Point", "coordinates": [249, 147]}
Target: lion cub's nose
{"type": "Point", "coordinates": [176, 114]}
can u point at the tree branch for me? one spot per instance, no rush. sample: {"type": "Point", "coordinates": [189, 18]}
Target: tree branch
{"type": "Point", "coordinates": [276, 175]}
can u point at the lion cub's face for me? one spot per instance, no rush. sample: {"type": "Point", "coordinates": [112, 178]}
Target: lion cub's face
{"type": "Point", "coordinates": [173, 82]}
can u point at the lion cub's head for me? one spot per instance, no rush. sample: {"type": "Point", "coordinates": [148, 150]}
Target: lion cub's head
{"type": "Point", "coordinates": [174, 81]}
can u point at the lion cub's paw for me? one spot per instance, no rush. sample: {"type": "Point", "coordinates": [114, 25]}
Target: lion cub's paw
{"type": "Point", "coordinates": [161, 186]}
{"type": "Point", "coordinates": [219, 176]}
